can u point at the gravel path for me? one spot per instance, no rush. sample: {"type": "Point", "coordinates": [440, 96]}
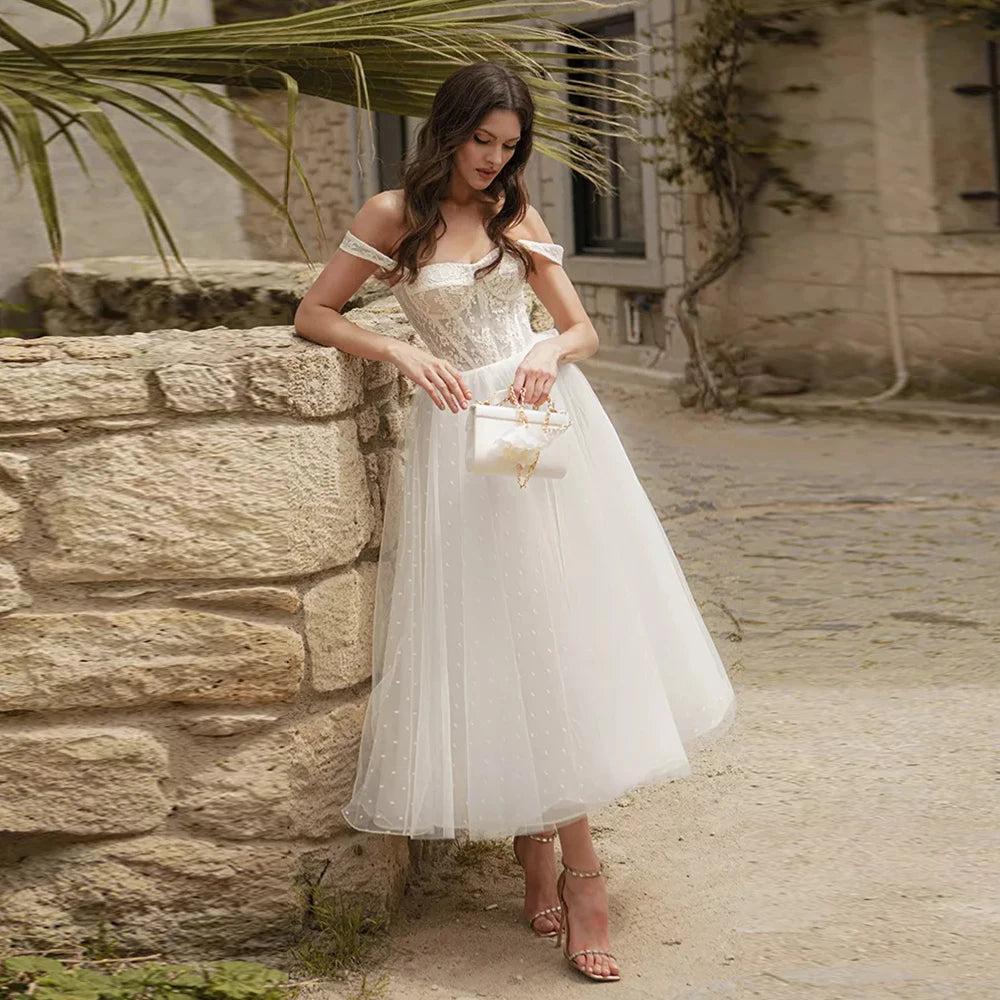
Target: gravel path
{"type": "Point", "coordinates": [841, 841]}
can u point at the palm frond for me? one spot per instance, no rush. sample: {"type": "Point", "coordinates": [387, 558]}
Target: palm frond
{"type": "Point", "coordinates": [378, 55]}
{"type": "Point", "coordinates": [26, 132]}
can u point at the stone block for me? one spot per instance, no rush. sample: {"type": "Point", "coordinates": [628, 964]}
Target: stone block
{"type": "Point", "coordinates": [674, 271]}
{"type": "Point", "coordinates": [393, 422]}
{"type": "Point", "coordinates": [971, 296]}
{"type": "Point", "coordinates": [606, 301]}
{"type": "Point", "coordinates": [189, 898]}
{"type": "Point", "coordinates": [338, 627]}
{"type": "Point", "coordinates": [368, 423]}
{"type": "Point", "coordinates": [15, 466]}
{"type": "Point", "coordinates": [835, 259]}
{"type": "Point", "coordinates": [769, 299]}
{"type": "Point", "coordinates": [227, 724]}
{"type": "Point", "coordinates": [378, 373]}
{"type": "Point", "coordinates": [190, 388]}
{"type": "Point", "coordinates": [242, 500]}
{"type": "Point", "coordinates": [671, 212]}
{"type": "Point", "coordinates": [287, 784]}
{"type": "Point", "coordinates": [104, 349]}
{"type": "Point", "coordinates": [108, 295]}
{"type": "Point", "coordinates": [143, 656]}
{"type": "Point", "coordinates": [27, 435]}
{"type": "Point", "coordinates": [12, 594]}
{"type": "Point", "coordinates": [323, 382]}
{"type": "Point", "coordinates": [11, 520]}
{"type": "Point", "coordinates": [769, 385]}
{"type": "Point", "coordinates": [920, 295]}
{"type": "Point", "coordinates": [60, 390]}
{"type": "Point", "coordinates": [368, 870]}
{"type": "Point", "coordinates": [284, 599]}
{"type": "Point", "coordinates": [80, 781]}
{"type": "Point", "coordinates": [16, 350]}
{"type": "Point", "coordinates": [371, 468]}
{"type": "Point", "coordinates": [120, 423]}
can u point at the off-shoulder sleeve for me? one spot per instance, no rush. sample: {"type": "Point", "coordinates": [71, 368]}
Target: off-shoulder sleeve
{"type": "Point", "coordinates": [356, 246]}
{"type": "Point", "coordinates": [551, 250]}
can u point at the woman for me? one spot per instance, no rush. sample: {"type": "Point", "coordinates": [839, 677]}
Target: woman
{"type": "Point", "coordinates": [537, 652]}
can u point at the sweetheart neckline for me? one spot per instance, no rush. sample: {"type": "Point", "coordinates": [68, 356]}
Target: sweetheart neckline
{"type": "Point", "coordinates": [380, 257]}
{"type": "Point", "coordinates": [460, 263]}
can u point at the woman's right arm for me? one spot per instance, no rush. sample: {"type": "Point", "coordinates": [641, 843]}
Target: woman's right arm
{"type": "Point", "coordinates": [318, 317]}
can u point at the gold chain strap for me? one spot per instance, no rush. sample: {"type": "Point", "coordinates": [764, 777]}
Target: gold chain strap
{"type": "Point", "coordinates": [517, 399]}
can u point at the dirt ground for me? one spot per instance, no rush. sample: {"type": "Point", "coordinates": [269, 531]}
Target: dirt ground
{"type": "Point", "coordinates": [841, 841]}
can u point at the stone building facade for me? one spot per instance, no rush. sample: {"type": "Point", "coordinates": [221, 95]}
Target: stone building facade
{"type": "Point", "coordinates": [903, 267]}
{"type": "Point", "coordinates": [906, 259]}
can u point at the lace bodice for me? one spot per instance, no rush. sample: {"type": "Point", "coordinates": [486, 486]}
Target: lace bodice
{"type": "Point", "coordinates": [469, 321]}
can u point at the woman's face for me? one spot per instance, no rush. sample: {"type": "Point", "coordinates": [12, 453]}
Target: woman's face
{"type": "Point", "coordinates": [486, 152]}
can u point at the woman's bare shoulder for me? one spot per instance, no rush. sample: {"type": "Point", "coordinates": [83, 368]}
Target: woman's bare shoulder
{"type": "Point", "coordinates": [531, 227]}
{"type": "Point", "coordinates": [380, 220]}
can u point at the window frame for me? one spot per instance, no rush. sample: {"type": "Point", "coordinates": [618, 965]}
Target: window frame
{"type": "Point", "coordinates": [556, 199]}
{"type": "Point", "coordinates": [583, 190]}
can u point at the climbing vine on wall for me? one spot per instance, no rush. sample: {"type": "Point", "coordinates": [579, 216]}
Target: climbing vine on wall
{"type": "Point", "coordinates": [716, 141]}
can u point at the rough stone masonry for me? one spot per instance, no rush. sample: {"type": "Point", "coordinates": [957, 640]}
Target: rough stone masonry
{"type": "Point", "coordinates": [189, 528]}
{"type": "Point", "coordinates": [189, 532]}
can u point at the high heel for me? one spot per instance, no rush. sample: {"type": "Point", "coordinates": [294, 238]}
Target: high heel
{"type": "Point", "coordinates": [547, 910]}
{"type": "Point", "coordinates": [564, 926]}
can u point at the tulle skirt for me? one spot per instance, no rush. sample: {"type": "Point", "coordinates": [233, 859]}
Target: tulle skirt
{"type": "Point", "coordinates": [537, 652]}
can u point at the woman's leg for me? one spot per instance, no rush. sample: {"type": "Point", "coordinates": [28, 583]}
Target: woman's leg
{"type": "Point", "coordinates": [586, 900]}
{"type": "Point", "coordinates": [539, 861]}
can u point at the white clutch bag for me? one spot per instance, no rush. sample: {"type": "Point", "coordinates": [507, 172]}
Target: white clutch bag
{"type": "Point", "coordinates": [515, 440]}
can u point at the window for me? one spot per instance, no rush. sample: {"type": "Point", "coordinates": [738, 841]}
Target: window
{"type": "Point", "coordinates": [965, 122]}
{"type": "Point", "coordinates": [610, 223]}
{"type": "Point", "coordinates": [390, 143]}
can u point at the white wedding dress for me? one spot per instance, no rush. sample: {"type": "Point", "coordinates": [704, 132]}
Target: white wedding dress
{"type": "Point", "coordinates": [537, 652]}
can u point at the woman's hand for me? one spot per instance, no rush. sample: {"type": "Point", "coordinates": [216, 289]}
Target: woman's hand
{"type": "Point", "coordinates": [537, 372]}
{"type": "Point", "coordinates": [440, 378]}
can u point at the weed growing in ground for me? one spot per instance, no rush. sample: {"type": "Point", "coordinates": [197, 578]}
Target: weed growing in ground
{"type": "Point", "coordinates": [44, 978]}
{"type": "Point", "coordinates": [341, 936]}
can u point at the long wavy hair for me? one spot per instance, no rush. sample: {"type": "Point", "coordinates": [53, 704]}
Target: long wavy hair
{"type": "Point", "coordinates": [460, 104]}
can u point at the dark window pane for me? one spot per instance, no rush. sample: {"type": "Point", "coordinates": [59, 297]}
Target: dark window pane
{"type": "Point", "coordinates": [611, 223]}
{"type": "Point", "coordinates": [390, 144]}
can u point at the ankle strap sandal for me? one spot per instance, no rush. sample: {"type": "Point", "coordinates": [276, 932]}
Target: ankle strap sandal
{"type": "Point", "coordinates": [564, 926]}
{"type": "Point", "coordinates": [550, 909]}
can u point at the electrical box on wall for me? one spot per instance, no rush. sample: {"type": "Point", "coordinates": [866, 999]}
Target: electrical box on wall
{"type": "Point", "coordinates": [643, 318]}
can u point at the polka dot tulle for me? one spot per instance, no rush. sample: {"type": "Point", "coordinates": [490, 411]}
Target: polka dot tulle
{"type": "Point", "coordinates": [537, 652]}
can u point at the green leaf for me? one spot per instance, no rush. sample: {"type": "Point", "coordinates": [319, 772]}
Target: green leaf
{"type": "Point", "coordinates": [28, 134]}
{"type": "Point", "coordinates": [29, 963]}
{"type": "Point", "coordinates": [78, 984]}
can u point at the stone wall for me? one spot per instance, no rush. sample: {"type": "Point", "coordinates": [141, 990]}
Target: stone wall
{"type": "Point", "coordinates": [324, 143]}
{"type": "Point", "coordinates": [122, 295]}
{"type": "Point", "coordinates": [189, 528]}
{"type": "Point", "coordinates": [808, 298]}
{"type": "Point", "coordinates": [819, 296]}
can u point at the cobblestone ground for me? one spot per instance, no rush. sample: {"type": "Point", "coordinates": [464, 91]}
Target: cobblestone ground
{"type": "Point", "coordinates": [842, 840]}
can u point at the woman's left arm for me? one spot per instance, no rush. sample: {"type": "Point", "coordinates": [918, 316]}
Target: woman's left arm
{"type": "Point", "coordinates": [577, 337]}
